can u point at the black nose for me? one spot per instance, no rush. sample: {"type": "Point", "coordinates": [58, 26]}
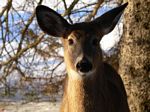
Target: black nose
{"type": "Point", "coordinates": [84, 65]}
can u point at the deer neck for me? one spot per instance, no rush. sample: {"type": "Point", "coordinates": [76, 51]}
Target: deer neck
{"type": "Point", "coordinates": [81, 92]}
{"type": "Point", "coordinates": [76, 95]}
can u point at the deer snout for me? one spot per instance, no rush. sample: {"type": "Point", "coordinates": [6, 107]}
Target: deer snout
{"type": "Point", "coordinates": [84, 65]}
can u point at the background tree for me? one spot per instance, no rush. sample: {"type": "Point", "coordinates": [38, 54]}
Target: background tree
{"type": "Point", "coordinates": [134, 65]}
{"type": "Point", "coordinates": [29, 59]}
{"type": "Point", "coordinates": [26, 52]}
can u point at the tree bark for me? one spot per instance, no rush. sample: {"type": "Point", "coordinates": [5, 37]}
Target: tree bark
{"type": "Point", "coordinates": [134, 63]}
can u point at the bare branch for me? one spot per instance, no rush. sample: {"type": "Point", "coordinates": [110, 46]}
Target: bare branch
{"type": "Point", "coordinates": [94, 12]}
{"type": "Point", "coordinates": [7, 7]}
{"type": "Point", "coordinates": [68, 11]}
{"type": "Point", "coordinates": [38, 40]}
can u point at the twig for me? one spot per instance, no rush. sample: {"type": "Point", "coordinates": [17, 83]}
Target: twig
{"type": "Point", "coordinates": [94, 12]}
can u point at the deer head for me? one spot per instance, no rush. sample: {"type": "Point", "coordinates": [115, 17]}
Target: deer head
{"type": "Point", "coordinates": [82, 52]}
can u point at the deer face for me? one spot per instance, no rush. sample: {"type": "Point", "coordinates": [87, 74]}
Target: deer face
{"type": "Point", "coordinates": [82, 52]}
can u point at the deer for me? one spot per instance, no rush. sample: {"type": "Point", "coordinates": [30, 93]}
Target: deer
{"type": "Point", "coordinates": [91, 85]}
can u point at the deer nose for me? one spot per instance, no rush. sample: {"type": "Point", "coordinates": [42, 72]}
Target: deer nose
{"type": "Point", "coordinates": [84, 65]}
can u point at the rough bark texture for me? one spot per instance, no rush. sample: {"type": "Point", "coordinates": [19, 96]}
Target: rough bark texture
{"type": "Point", "coordinates": [134, 65]}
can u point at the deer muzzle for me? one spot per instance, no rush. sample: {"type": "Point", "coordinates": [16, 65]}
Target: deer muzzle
{"type": "Point", "coordinates": [84, 65]}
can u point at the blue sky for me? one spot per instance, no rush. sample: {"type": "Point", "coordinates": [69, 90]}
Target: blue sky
{"type": "Point", "coordinates": [107, 42]}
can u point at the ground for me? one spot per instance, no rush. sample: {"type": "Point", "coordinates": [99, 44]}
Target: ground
{"type": "Point", "coordinates": [29, 107]}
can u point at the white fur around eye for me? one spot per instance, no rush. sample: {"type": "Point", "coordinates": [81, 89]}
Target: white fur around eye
{"type": "Point", "coordinates": [74, 75]}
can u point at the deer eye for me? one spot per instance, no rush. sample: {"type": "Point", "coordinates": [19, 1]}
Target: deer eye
{"type": "Point", "coordinates": [70, 42]}
{"type": "Point", "coordinates": [95, 42]}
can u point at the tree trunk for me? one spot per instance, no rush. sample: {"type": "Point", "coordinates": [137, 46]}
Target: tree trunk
{"type": "Point", "coordinates": [134, 64]}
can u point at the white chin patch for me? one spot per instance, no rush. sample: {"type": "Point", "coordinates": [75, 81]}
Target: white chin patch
{"type": "Point", "coordinates": [87, 74]}
{"type": "Point", "coordinates": [80, 75]}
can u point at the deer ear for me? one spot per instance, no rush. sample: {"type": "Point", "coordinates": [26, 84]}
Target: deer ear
{"type": "Point", "coordinates": [50, 21]}
{"type": "Point", "coordinates": [106, 23]}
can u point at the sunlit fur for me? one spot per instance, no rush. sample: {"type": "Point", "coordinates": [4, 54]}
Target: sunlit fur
{"type": "Point", "coordinates": [95, 86]}
{"type": "Point", "coordinates": [100, 90]}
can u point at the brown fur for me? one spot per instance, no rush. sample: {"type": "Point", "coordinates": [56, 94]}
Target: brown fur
{"type": "Point", "coordinates": [91, 85]}
{"type": "Point", "coordinates": [95, 94]}
{"type": "Point", "coordinates": [102, 91]}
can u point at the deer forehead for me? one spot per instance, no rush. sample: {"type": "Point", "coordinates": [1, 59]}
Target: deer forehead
{"type": "Point", "coordinates": [77, 34]}
{"type": "Point", "coordinates": [81, 35]}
